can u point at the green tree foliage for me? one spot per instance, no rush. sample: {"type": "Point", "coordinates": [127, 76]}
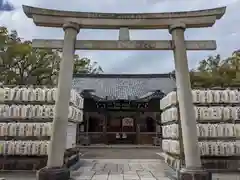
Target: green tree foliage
{"type": "Point", "coordinates": [20, 63]}
{"type": "Point", "coordinates": [217, 72]}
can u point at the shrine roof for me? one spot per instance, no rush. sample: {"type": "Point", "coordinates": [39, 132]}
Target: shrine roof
{"type": "Point", "coordinates": [124, 86]}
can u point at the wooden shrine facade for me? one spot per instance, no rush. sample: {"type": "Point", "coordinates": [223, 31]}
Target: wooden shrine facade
{"type": "Point", "coordinates": [129, 121]}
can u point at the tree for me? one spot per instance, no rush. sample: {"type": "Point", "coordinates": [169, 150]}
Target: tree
{"type": "Point", "coordinates": [6, 6]}
{"type": "Point", "coordinates": [217, 72]}
{"type": "Point", "coordinates": [20, 63]}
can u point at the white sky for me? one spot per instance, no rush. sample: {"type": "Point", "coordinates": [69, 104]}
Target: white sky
{"type": "Point", "coordinates": [226, 31]}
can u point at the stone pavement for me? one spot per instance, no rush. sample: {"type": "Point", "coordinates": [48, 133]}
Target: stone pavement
{"type": "Point", "coordinates": [121, 169]}
{"type": "Point", "coordinates": [130, 169]}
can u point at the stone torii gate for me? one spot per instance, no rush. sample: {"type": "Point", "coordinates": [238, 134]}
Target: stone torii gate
{"type": "Point", "coordinates": [175, 22]}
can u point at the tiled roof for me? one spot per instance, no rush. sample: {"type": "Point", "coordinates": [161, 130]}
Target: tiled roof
{"type": "Point", "coordinates": [123, 86]}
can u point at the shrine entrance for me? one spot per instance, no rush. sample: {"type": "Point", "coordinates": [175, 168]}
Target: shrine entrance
{"type": "Point", "coordinates": [121, 130]}
{"type": "Point", "coordinates": [120, 122]}
{"type": "Point", "coordinates": [175, 22]}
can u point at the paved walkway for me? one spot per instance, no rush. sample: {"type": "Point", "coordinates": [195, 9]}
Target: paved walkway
{"type": "Point", "coordinates": [120, 153]}
{"type": "Point", "coordinates": [121, 169]}
{"type": "Point", "coordinates": [119, 164]}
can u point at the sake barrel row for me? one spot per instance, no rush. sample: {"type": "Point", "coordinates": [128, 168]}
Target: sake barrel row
{"type": "Point", "coordinates": [30, 148]}
{"type": "Point", "coordinates": [36, 111]}
{"type": "Point", "coordinates": [36, 94]}
{"type": "Point", "coordinates": [207, 148]}
{"type": "Point", "coordinates": [205, 113]}
{"type": "Point", "coordinates": [205, 130]}
{"type": "Point", "coordinates": [205, 97]}
{"type": "Point", "coordinates": [25, 129]}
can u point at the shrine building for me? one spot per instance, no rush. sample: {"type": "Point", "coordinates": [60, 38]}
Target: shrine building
{"type": "Point", "coordinates": [121, 108]}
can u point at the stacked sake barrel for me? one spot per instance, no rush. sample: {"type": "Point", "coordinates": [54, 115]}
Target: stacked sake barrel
{"type": "Point", "coordinates": [218, 127]}
{"type": "Point", "coordinates": [26, 116]}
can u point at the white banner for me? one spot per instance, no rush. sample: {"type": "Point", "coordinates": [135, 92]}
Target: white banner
{"type": "Point", "coordinates": [127, 121]}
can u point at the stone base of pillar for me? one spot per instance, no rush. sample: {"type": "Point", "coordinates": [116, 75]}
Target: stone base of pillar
{"type": "Point", "coordinates": [53, 174]}
{"type": "Point", "coordinates": [186, 174]}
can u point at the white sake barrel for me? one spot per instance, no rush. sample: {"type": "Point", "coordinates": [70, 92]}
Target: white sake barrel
{"type": "Point", "coordinates": [4, 111]}
{"type": "Point", "coordinates": [79, 101]}
{"type": "Point", "coordinates": [204, 111]}
{"type": "Point", "coordinates": [21, 94]}
{"type": "Point", "coordinates": [2, 94]}
{"type": "Point", "coordinates": [51, 111]}
{"type": "Point", "coordinates": [238, 94]}
{"type": "Point", "coordinates": [17, 111]}
{"type": "Point", "coordinates": [76, 114]}
{"type": "Point", "coordinates": [70, 112]}
{"type": "Point", "coordinates": [215, 130]}
{"type": "Point", "coordinates": [37, 129]}
{"type": "Point", "coordinates": [24, 148]}
{"type": "Point", "coordinates": [7, 94]}
{"type": "Point", "coordinates": [210, 96]}
{"type": "Point", "coordinates": [217, 96]}
{"type": "Point", "coordinates": [30, 92]}
{"type": "Point", "coordinates": [29, 129]}
{"type": "Point", "coordinates": [163, 103]}
{"type": "Point", "coordinates": [202, 148]}
{"type": "Point", "coordinates": [48, 110]}
{"type": "Point", "coordinates": [173, 98]}
{"type": "Point", "coordinates": [12, 127]}
{"type": "Point", "coordinates": [35, 147]}
{"type": "Point", "coordinates": [5, 147]}
{"type": "Point", "coordinates": [176, 130]}
{"type": "Point", "coordinates": [2, 131]}
{"type": "Point", "coordinates": [46, 90]}
{"type": "Point", "coordinates": [72, 97]}
{"type": "Point", "coordinates": [38, 94]}
{"type": "Point", "coordinates": [5, 129]}
{"type": "Point", "coordinates": [22, 129]}
{"type": "Point", "coordinates": [25, 94]}
{"type": "Point", "coordinates": [204, 130]}
{"type": "Point", "coordinates": [210, 130]}
{"type": "Point", "coordinates": [18, 148]}
{"type": "Point", "coordinates": [198, 130]}
{"type": "Point", "coordinates": [13, 111]}
{"type": "Point", "coordinates": [226, 96]}
{"type": "Point", "coordinates": [237, 147]}
{"type": "Point", "coordinates": [43, 148]}
{"type": "Point", "coordinates": [220, 130]}
{"type": "Point", "coordinates": [79, 116]}
{"type": "Point", "coordinates": [174, 114]}
{"type": "Point", "coordinates": [231, 148]}
{"type": "Point", "coordinates": [46, 129]}
{"type": "Point", "coordinates": [14, 94]}
{"type": "Point", "coordinates": [55, 94]}
{"type": "Point", "coordinates": [11, 148]}
{"type": "Point", "coordinates": [23, 111]}
{"type": "Point", "coordinates": [50, 95]}
{"type": "Point", "coordinates": [44, 111]}
{"type": "Point", "coordinates": [195, 95]}
{"type": "Point", "coordinates": [233, 96]}
{"type": "Point", "coordinates": [237, 130]}
{"type": "Point", "coordinates": [29, 148]}
{"type": "Point", "coordinates": [2, 152]}
{"type": "Point", "coordinates": [236, 113]}
{"type": "Point", "coordinates": [226, 113]}
{"type": "Point", "coordinates": [197, 112]}
{"type": "Point", "coordinates": [216, 113]}
{"type": "Point", "coordinates": [214, 148]}
{"type": "Point", "coordinates": [202, 96]}
{"type": "Point", "coordinates": [28, 109]}
{"type": "Point", "coordinates": [229, 130]}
